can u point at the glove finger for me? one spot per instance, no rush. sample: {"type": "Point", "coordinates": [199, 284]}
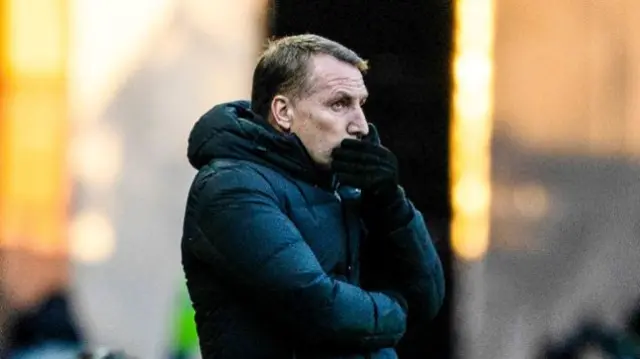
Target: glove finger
{"type": "Point", "coordinates": [354, 167]}
{"type": "Point", "coordinates": [358, 157]}
{"type": "Point", "coordinates": [355, 144]}
{"type": "Point", "coordinates": [364, 146]}
{"type": "Point", "coordinates": [370, 174]}
{"type": "Point", "coordinates": [350, 180]}
{"type": "Point", "coordinates": [372, 136]}
{"type": "Point", "coordinates": [340, 166]}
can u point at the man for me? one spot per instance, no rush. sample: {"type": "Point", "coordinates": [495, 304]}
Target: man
{"type": "Point", "coordinates": [298, 241]}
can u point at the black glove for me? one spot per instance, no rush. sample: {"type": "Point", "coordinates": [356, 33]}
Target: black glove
{"type": "Point", "coordinates": [366, 166]}
{"type": "Point", "coordinates": [373, 169]}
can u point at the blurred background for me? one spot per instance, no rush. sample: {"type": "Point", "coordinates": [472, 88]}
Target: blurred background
{"type": "Point", "coordinates": [517, 125]}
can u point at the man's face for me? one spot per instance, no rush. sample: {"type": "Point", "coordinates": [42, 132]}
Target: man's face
{"type": "Point", "coordinates": [331, 109]}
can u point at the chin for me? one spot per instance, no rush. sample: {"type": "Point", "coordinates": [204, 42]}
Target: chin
{"type": "Point", "coordinates": [326, 165]}
{"type": "Point", "coordinates": [322, 159]}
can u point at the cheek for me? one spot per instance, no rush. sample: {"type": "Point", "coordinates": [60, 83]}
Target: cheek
{"type": "Point", "coordinates": [330, 131]}
{"type": "Point", "coordinates": [322, 132]}
{"type": "Point", "coordinates": [330, 126]}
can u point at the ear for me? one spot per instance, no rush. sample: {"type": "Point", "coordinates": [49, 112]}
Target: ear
{"type": "Point", "coordinates": [282, 113]}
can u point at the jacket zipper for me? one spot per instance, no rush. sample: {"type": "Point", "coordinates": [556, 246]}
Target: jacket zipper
{"type": "Point", "coordinates": [345, 219]}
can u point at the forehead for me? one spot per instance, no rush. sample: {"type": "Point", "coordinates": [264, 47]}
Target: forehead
{"type": "Point", "coordinates": [329, 75]}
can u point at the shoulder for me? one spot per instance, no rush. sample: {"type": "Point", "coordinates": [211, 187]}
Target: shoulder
{"type": "Point", "coordinates": [232, 176]}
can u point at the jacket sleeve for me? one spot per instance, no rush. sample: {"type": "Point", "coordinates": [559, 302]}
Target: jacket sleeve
{"type": "Point", "coordinates": [416, 259]}
{"type": "Point", "coordinates": [246, 236]}
{"type": "Point", "coordinates": [406, 260]}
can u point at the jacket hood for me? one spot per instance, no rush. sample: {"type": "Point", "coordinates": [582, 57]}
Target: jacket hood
{"type": "Point", "coordinates": [232, 131]}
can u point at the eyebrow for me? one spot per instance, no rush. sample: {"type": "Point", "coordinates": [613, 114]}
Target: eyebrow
{"type": "Point", "coordinates": [342, 93]}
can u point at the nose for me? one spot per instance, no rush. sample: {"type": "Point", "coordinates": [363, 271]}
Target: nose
{"type": "Point", "coordinates": [358, 126]}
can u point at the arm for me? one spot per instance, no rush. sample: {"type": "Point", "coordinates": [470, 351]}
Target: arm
{"type": "Point", "coordinates": [399, 247]}
{"type": "Point", "coordinates": [406, 255]}
{"type": "Point", "coordinates": [244, 235]}
{"type": "Point", "coordinates": [399, 253]}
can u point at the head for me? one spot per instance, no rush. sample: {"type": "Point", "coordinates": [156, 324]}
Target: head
{"type": "Point", "coordinates": [312, 87]}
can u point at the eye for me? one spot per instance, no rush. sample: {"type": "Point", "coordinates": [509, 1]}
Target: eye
{"type": "Point", "coordinates": [339, 105]}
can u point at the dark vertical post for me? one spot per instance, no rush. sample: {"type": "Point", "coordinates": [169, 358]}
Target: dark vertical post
{"type": "Point", "coordinates": [408, 45]}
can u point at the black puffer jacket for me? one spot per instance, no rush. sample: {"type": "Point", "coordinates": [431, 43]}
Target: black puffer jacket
{"type": "Point", "coordinates": [276, 256]}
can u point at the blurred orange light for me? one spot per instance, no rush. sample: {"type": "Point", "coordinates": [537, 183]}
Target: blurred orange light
{"type": "Point", "coordinates": [472, 112]}
{"type": "Point", "coordinates": [33, 125]}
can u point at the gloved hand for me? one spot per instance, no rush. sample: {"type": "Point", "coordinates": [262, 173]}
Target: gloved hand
{"type": "Point", "coordinates": [373, 169]}
{"type": "Point", "coordinates": [365, 165]}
